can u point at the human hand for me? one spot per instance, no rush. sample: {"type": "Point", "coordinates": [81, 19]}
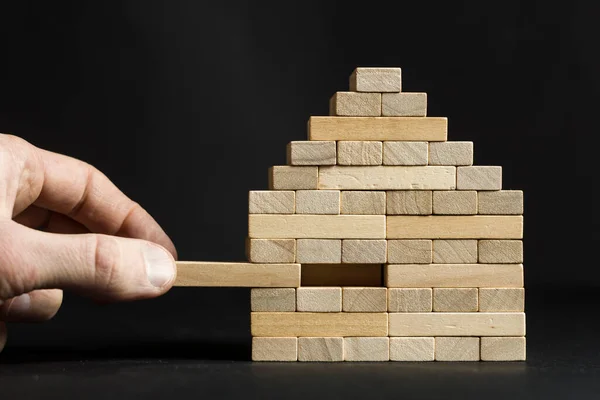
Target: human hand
{"type": "Point", "coordinates": [64, 225]}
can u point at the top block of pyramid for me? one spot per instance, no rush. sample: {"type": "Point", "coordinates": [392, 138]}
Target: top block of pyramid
{"type": "Point", "coordinates": [381, 80]}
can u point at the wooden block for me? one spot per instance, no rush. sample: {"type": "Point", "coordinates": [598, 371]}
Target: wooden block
{"type": "Point", "coordinates": [364, 299]}
{"type": "Point", "coordinates": [359, 153]}
{"type": "Point", "coordinates": [219, 274]}
{"type": "Point", "coordinates": [404, 104]}
{"type": "Point", "coordinates": [271, 250]}
{"type": "Point", "coordinates": [457, 349]}
{"type": "Point", "coordinates": [507, 202]}
{"type": "Point", "coordinates": [366, 349]}
{"type": "Point", "coordinates": [427, 129]}
{"type": "Point", "coordinates": [316, 226]}
{"type": "Point", "coordinates": [412, 349]}
{"type": "Point", "coordinates": [271, 202]}
{"type": "Point", "coordinates": [455, 300]}
{"type": "Point", "coordinates": [292, 177]}
{"type": "Point", "coordinates": [501, 299]}
{"type": "Point", "coordinates": [363, 203]}
{"type": "Point", "coordinates": [455, 251]}
{"type": "Point", "coordinates": [503, 349]}
{"type": "Point", "coordinates": [457, 324]}
{"type": "Point", "coordinates": [455, 202]}
{"type": "Point", "coordinates": [501, 251]}
{"type": "Point", "coordinates": [410, 300]}
{"type": "Point", "coordinates": [319, 299]}
{"type": "Point", "coordinates": [454, 227]}
{"type": "Point", "coordinates": [354, 104]}
{"type": "Point", "coordinates": [409, 202]}
{"type": "Point", "coordinates": [319, 324]}
{"type": "Point", "coordinates": [454, 275]}
{"type": "Point", "coordinates": [451, 153]}
{"type": "Point", "coordinates": [405, 153]}
{"type": "Point", "coordinates": [364, 251]}
{"type": "Point", "coordinates": [409, 251]}
{"type": "Point", "coordinates": [273, 299]}
{"type": "Point", "coordinates": [342, 275]}
{"type": "Point", "coordinates": [376, 80]}
{"type": "Point", "coordinates": [318, 202]}
{"type": "Point", "coordinates": [315, 251]}
{"type": "Point", "coordinates": [274, 349]}
{"type": "Point", "coordinates": [321, 349]}
{"type": "Point", "coordinates": [479, 178]}
{"type": "Point", "coordinates": [311, 153]}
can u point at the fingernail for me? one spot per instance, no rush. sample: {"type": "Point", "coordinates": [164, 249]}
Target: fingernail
{"type": "Point", "coordinates": [19, 305]}
{"type": "Point", "coordinates": [159, 265]}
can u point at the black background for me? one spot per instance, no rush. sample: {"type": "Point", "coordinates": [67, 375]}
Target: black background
{"type": "Point", "coordinates": [185, 105]}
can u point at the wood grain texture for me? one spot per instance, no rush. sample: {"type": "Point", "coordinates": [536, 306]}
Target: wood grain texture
{"type": "Point", "coordinates": [504, 202]}
{"type": "Point", "coordinates": [369, 79]}
{"type": "Point", "coordinates": [319, 324]}
{"type": "Point", "coordinates": [387, 178]}
{"type": "Point", "coordinates": [319, 251]}
{"type": "Point", "coordinates": [503, 349]}
{"type": "Point", "coordinates": [479, 178]}
{"type": "Point", "coordinates": [359, 153]}
{"type": "Point", "coordinates": [219, 274]}
{"type": "Point", "coordinates": [322, 349]}
{"type": "Point", "coordinates": [319, 299]}
{"type": "Point", "coordinates": [353, 104]}
{"type": "Point", "coordinates": [455, 300]}
{"type": "Point", "coordinates": [454, 275]}
{"type": "Point", "coordinates": [455, 202]}
{"type": "Point", "coordinates": [274, 349]}
{"type": "Point", "coordinates": [404, 104]}
{"type": "Point", "coordinates": [434, 129]}
{"type": "Point", "coordinates": [500, 251]}
{"type": "Point", "coordinates": [454, 251]}
{"type": "Point", "coordinates": [282, 299]}
{"type": "Point", "coordinates": [363, 203]}
{"type": "Point", "coordinates": [317, 202]}
{"type": "Point", "coordinates": [501, 299]}
{"type": "Point", "coordinates": [405, 153]}
{"type": "Point", "coordinates": [457, 349]}
{"type": "Point", "coordinates": [311, 153]}
{"type": "Point", "coordinates": [410, 251]}
{"type": "Point", "coordinates": [271, 202]}
{"type": "Point", "coordinates": [342, 275]}
{"type": "Point", "coordinates": [409, 202]}
{"type": "Point", "coordinates": [271, 250]}
{"type": "Point", "coordinates": [285, 177]}
{"type": "Point", "coordinates": [364, 299]}
{"type": "Point", "coordinates": [410, 300]}
{"type": "Point", "coordinates": [364, 251]}
{"type": "Point", "coordinates": [457, 324]}
{"type": "Point", "coordinates": [265, 226]}
{"type": "Point", "coordinates": [366, 349]}
{"type": "Point", "coordinates": [412, 349]}
{"type": "Point", "coordinates": [454, 227]}
{"type": "Point", "coordinates": [451, 153]}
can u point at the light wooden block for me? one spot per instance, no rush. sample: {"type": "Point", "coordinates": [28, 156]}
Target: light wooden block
{"type": "Point", "coordinates": [454, 251]}
{"type": "Point", "coordinates": [501, 251]}
{"type": "Point", "coordinates": [454, 227]}
{"type": "Point", "coordinates": [362, 203]}
{"type": "Point", "coordinates": [376, 80]}
{"type": "Point", "coordinates": [342, 275]}
{"type": "Point", "coordinates": [503, 349]}
{"type": "Point", "coordinates": [412, 349]}
{"type": "Point", "coordinates": [423, 129]}
{"type": "Point", "coordinates": [455, 300]}
{"type": "Point", "coordinates": [454, 275]}
{"type": "Point", "coordinates": [359, 153]}
{"type": "Point", "coordinates": [457, 324]}
{"type": "Point", "coordinates": [457, 349]}
{"type": "Point", "coordinates": [352, 104]}
{"type": "Point", "coordinates": [273, 299]}
{"type": "Point", "coordinates": [451, 153]}
{"type": "Point", "coordinates": [265, 226]}
{"type": "Point", "coordinates": [285, 177]}
{"type": "Point", "coordinates": [410, 251]}
{"type": "Point", "coordinates": [501, 299]}
{"type": "Point", "coordinates": [318, 324]}
{"type": "Point", "coordinates": [274, 349]}
{"type": "Point", "coordinates": [364, 299]}
{"type": "Point", "coordinates": [405, 153]}
{"type": "Point", "coordinates": [316, 251]}
{"type": "Point", "coordinates": [387, 178]}
{"type": "Point", "coordinates": [321, 349]}
{"type": "Point", "coordinates": [319, 299]}
{"type": "Point", "coordinates": [479, 178]}
{"type": "Point", "coordinates": [219, 274]}
{"type": "Point", "coordinates": [364, 251]}
{"type": "Point", "coordinates": [409, 202]}
{"type": "Point", "coordinates": [455, 202]}
{"type": "Point", "coordinates": [271, 250]}
{"type": "Point", "coordinates": [507, 202]}
{"type": "Point", "coordinates": [311, 153]}
{"type": "Point", "coordinates": [366, 349]}
{"type": "Point", "coordinates": [271, 202]}
{"type": "Point", "coordinates": [410, 300]}
{"type": "Point", "coordinates": [404, 104]}
{"type": "Point", "coordinates": [318, 202]}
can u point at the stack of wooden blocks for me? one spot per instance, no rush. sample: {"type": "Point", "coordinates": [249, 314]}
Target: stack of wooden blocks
{"type": "Point", "coordinates": [407, 252]}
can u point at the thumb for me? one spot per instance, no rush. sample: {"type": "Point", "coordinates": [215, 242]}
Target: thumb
{"type": "Point", "coordinates": [103, 267]}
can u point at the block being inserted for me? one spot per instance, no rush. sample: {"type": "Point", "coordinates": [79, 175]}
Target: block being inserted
{"type": "Point", "coordinates": [359, 153]}
{"type": "Point", "coordinates": [363, 203]}
{"type": "Point", "coordinates": [455, 202]}
{"type": "Point", "coordinates": [364, 299]}
{"type": "Point", "coordinates": [353, 104]}
{"type": "Point", "coordinates": [451, 153]}
{"type": "Point", "coordinates": [311, 153]}
{"type": "Point", "coordinates": [376, 80]}
{"type": "Point", "coordinates": [479, 178]}
{"type": "Point", "coordinates": [409, 202]}
{"type": "Point", "coordinates": [453, 227]}
{"type": "Point", "coordinates": [367, 349]}
{"type": "Point", "coordinates": [457, 349]}
{"type": "Point", "coordinates": [503, 349]}
{"type": "Point", "coordinates": [317, 202]}
{"type": "Point", "coordinates": [322, 349]}
{"type": "Point", "coordinates": [220, 274]}
{"type": "Point", "coordinates": [280, 299]}
{"type": "Point", "coordinates": [405, 153]}
{"type": "Point", "coordinates": [364, 251]}
{"type": "Point", "coordinates": [412, 349]}
{"type": "Point", "coordinates": [455, 300]}
{"type": "Point", "coordinates": [409, 251]}
{"type": "Point", "coordinates": [271, 202]}
{"type": "Point", "coordinates": [271, 250]}
{"type": "Point", "coordinates": [319, 251]}
{"type": "Point", "coordinates": [504, 202]}
{"type": "Point", "coordinates": [406, 300]}
{"type": "Point", "coordinates": [319, 299]}
{"type": "Point", "coordinates": [274, 349]}
{"type": "Point", "coordinates": [404, 104]}
{"type": "Point", "coordinates": [388, 177]}
{"type": "Point", "coordinates": [284, 177]}
{"type": "Point", "coordinates": [501, 299]}
{"type": "Point", "coordinates": [454, 251]}
{"type": "Point", "coordinates": [501, 251]}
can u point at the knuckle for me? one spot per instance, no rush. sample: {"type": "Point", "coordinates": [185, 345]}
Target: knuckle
{"type": "Point", "coordinates": [107, 265]}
